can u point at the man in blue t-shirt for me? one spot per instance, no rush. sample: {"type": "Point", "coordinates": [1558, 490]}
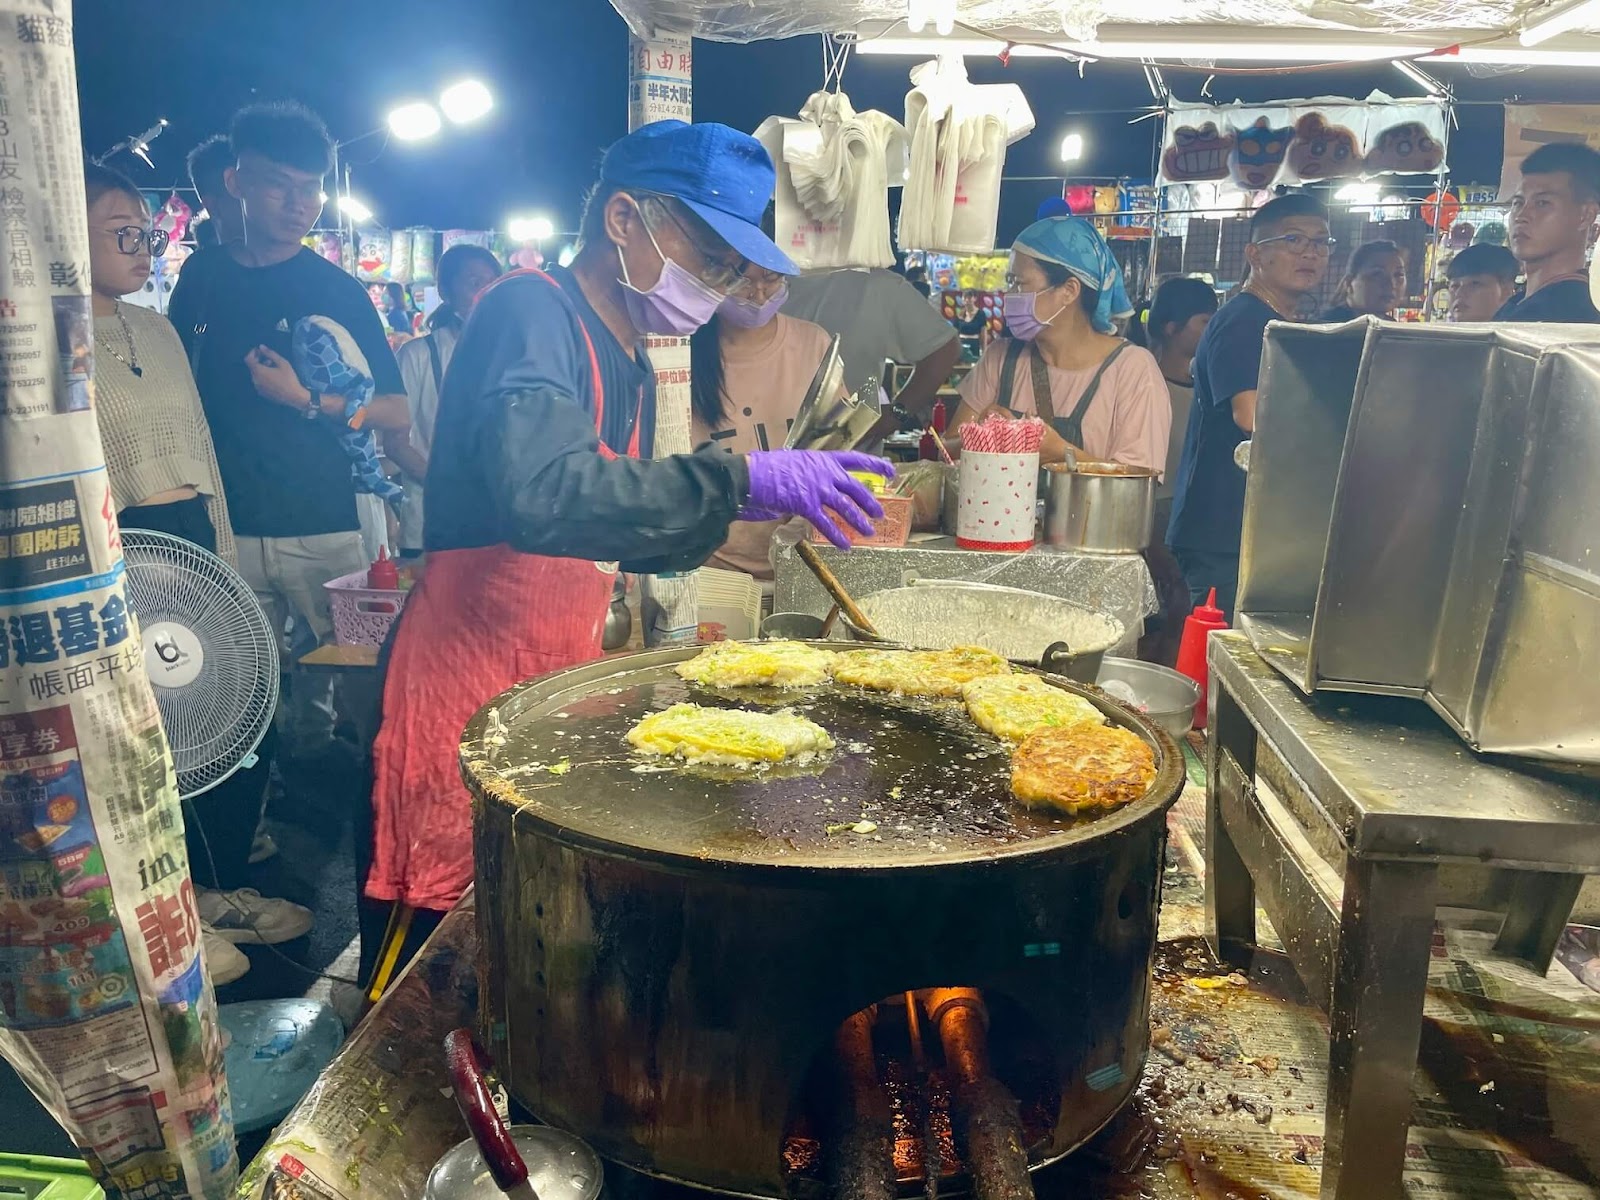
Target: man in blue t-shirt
{"type": "Point", "coordinates": [1288, 257]}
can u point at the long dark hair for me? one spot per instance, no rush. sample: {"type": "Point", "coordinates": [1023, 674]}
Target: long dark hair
{"type": "Point", "coordinates": [707, 389]}
{"type": "Point", "coordinates": [1176, 302]}
{"type": "Point", "coordinates": [453, 264]}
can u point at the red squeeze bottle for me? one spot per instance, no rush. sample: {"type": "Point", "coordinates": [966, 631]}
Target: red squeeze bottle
{"type": "Point", "coordinates": [383, 575]}
{"type": "Point", "coordinates": [1197, 627]}
{"type": "Point", "coordinates": [927, 448]}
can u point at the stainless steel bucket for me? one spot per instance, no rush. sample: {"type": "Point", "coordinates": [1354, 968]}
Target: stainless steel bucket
{"type": "Point", "coordinates": [1104, 508]}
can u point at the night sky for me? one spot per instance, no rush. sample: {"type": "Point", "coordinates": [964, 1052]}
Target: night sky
{"type": "Point", "coordinates": [558, 69]}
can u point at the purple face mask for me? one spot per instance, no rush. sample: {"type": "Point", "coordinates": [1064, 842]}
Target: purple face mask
{"type": "Point", "coordinates": [1021, 317]}
{"type": "Point", "coordinates": [676, 306]}
{"type": "Point", "coordinates": [736, 310]}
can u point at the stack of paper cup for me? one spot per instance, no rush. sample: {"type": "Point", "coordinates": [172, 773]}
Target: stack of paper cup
{"type": "Point", "coordinates": [998, 497]}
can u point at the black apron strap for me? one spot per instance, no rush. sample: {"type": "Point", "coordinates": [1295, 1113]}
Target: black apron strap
{"type": "Point", "coordinates": [1004, 395]}
{"type": "Point", "coordinates": [438, 367]}
{"type": "Point", "coordinates": [1071, 427]}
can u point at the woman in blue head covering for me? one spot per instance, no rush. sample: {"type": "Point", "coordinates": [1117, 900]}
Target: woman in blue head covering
{"type": "Point", "coordinates": [1100, 396]}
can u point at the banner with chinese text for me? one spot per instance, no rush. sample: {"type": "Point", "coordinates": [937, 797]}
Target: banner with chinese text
{"type": "Point", "coordinates": [105, 1009]}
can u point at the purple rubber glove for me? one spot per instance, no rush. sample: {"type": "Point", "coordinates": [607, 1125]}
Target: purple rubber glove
{"type": "Point", "coordinates": [816, 485]}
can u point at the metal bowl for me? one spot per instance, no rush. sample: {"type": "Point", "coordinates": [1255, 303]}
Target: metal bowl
{"type": "Point", "coordinates": [798, 626]}
{"type": "Point", "coordinates": [1026, 627]}
{"type": "Point", "coordinates": [1165, 697]}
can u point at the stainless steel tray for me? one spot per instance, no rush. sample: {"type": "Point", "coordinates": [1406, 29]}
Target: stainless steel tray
{"type": "Point", "coordinates": [1423, 519]}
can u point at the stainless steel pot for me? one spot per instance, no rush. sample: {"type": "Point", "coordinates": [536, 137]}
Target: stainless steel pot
{"type": "Point", "coordinates": [669, 955]}
{"type": "Point", "coordinates": [1104, 508]}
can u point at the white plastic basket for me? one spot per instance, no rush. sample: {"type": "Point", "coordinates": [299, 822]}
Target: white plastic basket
{"type": "Point", "coordinates": [362, 616]}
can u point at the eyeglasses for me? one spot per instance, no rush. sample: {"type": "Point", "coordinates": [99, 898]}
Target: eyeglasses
{"type": "Point", "coordinates": [719, 273]}
{"type": "Point", "coordinates": [1299, 243]}
{"type": "Point", "coordinates": [131, 239]}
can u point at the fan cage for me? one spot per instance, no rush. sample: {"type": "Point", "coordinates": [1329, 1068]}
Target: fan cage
{"type": "Point", "coordinates": [214, 724]}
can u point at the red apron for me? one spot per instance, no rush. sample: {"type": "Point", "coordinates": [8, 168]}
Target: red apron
{"type": "Point", "coordinates": [478, 622]}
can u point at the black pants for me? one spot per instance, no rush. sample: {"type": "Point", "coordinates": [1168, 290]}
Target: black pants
{"type": "Point", "coordinates": [1204, 570]}
{"type": "Point", "coordinates": [186, 519]}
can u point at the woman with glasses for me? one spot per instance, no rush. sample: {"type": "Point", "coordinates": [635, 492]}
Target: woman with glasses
{"type": "Point", "coordinates": [1101, 398]}
{"type": "Point", "coordinates": [1374, 284]}
{"type": "Point", "coordinates": [750, 368]}
{"type": "Point", "coordinates": [164, 477]}
{"type": "Point", "coordinates": [157, 444]}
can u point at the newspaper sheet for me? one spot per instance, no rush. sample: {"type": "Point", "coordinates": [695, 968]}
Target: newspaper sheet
{"type": "Point", "coordinates": [105, 1009]}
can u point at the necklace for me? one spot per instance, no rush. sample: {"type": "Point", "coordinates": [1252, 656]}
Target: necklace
{"type": "Point", "coordinates": [132, 361]}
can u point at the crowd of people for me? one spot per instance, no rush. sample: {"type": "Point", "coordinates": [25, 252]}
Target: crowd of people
{"type": "Point", "coordinates": [521, 426]}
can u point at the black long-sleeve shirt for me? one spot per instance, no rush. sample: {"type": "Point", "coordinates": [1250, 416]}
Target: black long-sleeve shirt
{"type": "Point", "coordinates": [515, 455]}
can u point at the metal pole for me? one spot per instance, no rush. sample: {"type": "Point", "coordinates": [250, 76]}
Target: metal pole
{"type": "Point", "coordinates": [660, 87]}
{"type": "Point", "coordinates": [111, 1020]}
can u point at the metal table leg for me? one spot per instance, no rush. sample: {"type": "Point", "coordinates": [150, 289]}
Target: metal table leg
{"type": "Point", "coordinates": [1541, 902]}
{"type": "Point", "coordinates": [1386, 930]}
{"type": "Point", "coordinates": [1230, 892]}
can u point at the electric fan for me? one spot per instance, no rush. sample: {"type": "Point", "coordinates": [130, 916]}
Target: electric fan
{"type": "Point", "coordinates": [209, 651]}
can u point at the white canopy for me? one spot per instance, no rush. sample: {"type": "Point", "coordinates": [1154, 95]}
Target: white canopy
{"type": "Point", "coordinates": [1188, 30]}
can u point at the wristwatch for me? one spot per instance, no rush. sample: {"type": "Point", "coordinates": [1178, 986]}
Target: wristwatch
{"type": "Point", "coordinates": [314, 406]}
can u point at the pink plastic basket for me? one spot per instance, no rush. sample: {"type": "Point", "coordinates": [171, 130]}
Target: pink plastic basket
{"type": "Point", "coordinates": [362, 616]}
{"type": "Point", "coordinates": [893, 530]}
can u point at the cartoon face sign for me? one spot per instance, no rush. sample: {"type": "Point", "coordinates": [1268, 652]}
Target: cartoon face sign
{"type": "Point", "coordinates": [1197, 153]}
{"type": "Point", "coordinates": [1258, 153]}
{"type": "Point", "coordinates": [1405, 148]}
{"type": "Point", "coordinates": [1323, 151]}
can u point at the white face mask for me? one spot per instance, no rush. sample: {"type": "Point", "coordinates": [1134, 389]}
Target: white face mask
{"type": "Point", "coordinates": [676, 305]}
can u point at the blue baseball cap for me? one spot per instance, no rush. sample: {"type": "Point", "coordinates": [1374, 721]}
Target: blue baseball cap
{"type": "Point", "coordinates": [721, 175]}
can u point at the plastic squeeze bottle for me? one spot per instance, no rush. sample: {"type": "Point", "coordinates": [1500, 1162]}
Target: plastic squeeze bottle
{"type": "Point", "coordinates": [1197, 627]}
{"type": "Point", "coordinates": [383, 575]}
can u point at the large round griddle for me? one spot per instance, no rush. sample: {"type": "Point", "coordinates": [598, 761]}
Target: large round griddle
{"type": "Point", "coordinates": [554, 751]}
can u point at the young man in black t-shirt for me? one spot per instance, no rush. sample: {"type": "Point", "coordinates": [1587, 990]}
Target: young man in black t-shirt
{"type": "Point", "coordinates": [1482, 278]}
{"type": "Point", "coordinates": [1552, 222]}
{"type": "Point", "coordinates": [290, 490]}
{"type": "Point", "coordinates": [1288, 256]}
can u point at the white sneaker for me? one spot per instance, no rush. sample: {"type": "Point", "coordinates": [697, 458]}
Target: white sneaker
{"type": "Point", "coordinates": [247, 917]}
{"type": "Point", "coordinates": [224, 961]}
{"type": "Point", "coordinates": [262, 848]}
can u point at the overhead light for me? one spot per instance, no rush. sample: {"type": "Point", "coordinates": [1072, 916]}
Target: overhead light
{"type": "Point", "coordinates": [1419, 77]}
{"type": "Point", "coordinates": [1563, 18]}
{"type": "Point", "coordinates": [466, 101]}
{"type": "Point", "coordinates": [354, 209]}
{"type": "Point", "coordinates": [1511, 55]}
{"type": "Point", "coordinates": [1186, 46]}
{"type": "Point", "coordinates": [1359, 194]}
{"type": "Point", "coordinates": [415, 121]}
{"type": "Point", "coordinates": [568, 253]}
{"type": "Point", "coordinates": [1072, 147]}
{"type": "Point", "coordinates": [530, 229]}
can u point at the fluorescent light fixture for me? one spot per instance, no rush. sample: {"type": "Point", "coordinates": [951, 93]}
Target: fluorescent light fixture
{"type": "Point", "coordinates": [354, 209]}
{"type": "Point", "coordinates": [1072, 147]}
{"type": "Point", "coordinates": [1419, 77]}
{"type": "Point", "coordinates": [1359, 193]}
{"type": "Point", "coordinates": [530, 229]}
{"type": "Point", "coordinates": [1561, 18]}
{"type": "Point", "coordinates": [1168, 44]}
{"type": "Point", "coordinates": [414, 122]}
{"type": "Point", "coordinates": [466, 102]}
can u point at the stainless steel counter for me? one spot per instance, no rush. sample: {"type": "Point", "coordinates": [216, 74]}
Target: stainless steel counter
{"type": "Point", "coordinates": [1116, 584]}
{"type": "Point", "coordinates": [1351, 819]}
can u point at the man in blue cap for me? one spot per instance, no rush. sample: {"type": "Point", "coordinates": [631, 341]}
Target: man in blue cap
{"type": "Point", "coordinates": [540, 476]}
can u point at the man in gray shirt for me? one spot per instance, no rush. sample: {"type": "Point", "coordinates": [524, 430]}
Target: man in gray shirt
{"type": "Point", "coordinates": [879, 316]}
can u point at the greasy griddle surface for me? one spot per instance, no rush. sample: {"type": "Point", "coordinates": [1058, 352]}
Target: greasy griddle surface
{"type": "Point", "coordinates": [936, 787]}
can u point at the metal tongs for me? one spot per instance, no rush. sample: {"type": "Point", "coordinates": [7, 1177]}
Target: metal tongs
{"type": "Point", "coordinates": [828, 420]}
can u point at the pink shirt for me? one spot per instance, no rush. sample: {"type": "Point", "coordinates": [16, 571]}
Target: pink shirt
{"type": "Point", "coordinates": [764, 386]}
{"type": "Point", "coordinates": [1129, 420]}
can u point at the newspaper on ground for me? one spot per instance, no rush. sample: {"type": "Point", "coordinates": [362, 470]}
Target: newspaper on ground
{"type": "Point", "coordinates": [105, 1009]}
